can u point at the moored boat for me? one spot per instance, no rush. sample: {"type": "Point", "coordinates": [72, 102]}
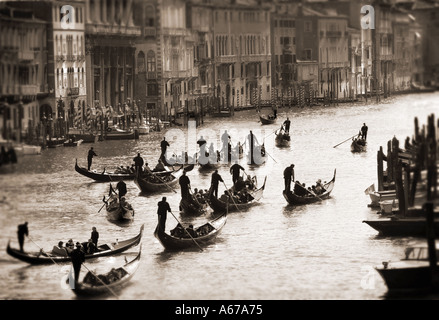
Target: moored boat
{"type": "Point", "coordinates": [107, 249]}
{"type": "Point", "coordinates": [107, 283]}
{"type": "Point", "coordinates": [411, 274]}
{"type": "Point", "coordinates": [309, 197]}
{"type": "Point", "coordinates": [267, 119]}
{"type": "Point", "coordinates": [207, 233]}
{"type": "Point", "coordinates": [76, 143]}
{"type": "Point", "coordinates": [402, 227]}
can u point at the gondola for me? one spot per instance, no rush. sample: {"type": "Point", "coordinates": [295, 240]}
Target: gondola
{"type": "Point", "coordinates": [358, 145]}
{"type": "Point", "coordinates": [266, 120]}
{"type": "Point", "coordinates": [213, 229]}
{"type": "Point", "coordinates": [107, 249]}
{"type": "Point", "coordinates": [109, 282]}
{"type": "Point", "coordinates": [159, 181]}
{"type": "Point", "coordinates": [193, 207]}
{"type": "Point", "coordinates": [69, 143]}
{"type": "Point", "coordinates": [219, 205]}
{"type": "Point", "coordinates": [103, 176]}
{"type": "Point", "coordinates": [295, 199]}
{"type": "Point", "coordinates": [117, 212]}
{"type": "Point", "coordinates": [282, 139]}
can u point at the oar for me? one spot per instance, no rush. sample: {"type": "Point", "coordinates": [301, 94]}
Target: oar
{"type": "Point", "coordinates": [270, 156]}
{"type": "Point", "coordinates": [344, 141]}
{"type": "Point", "coordinates": [230, 196]}
{"type": "Point", "coordinates": [42, 249]}
{"type": "Point", "coordinates": [109, 289]}
{"type": "Point", "coordinates": [187, 232]}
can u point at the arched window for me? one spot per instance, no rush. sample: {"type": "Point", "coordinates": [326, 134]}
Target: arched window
{"type": "Point", "coordinates": [150, 61]}
{"type": "Point", "coordinates": [140, 62]}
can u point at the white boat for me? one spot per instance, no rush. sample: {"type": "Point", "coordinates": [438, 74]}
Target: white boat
{"type": "Point", "coordinates": [27, 149]}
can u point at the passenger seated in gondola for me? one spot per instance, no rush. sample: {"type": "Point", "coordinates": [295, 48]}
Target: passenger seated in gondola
{"type": "Point", "coordinates": [249, 183]}
{"type": "Point", "coordinates": [203, 230]}
{"type": "Point", "coordinates": [60, 250]}
{"type": "Point", "coordinates": [225, 196]}
{"type": "Point", "coordinates": [159, 167]}
{"type": "Point", "coordinates": [178, 231]}
{"type": "Point", "coordinates": [70, 246]}
{"type": "Point", "coordinates": [191, 231]}
{"type": "Point", "coordinates": [90, 247]}
{"type": "Point", "coordinates": [240, 184]}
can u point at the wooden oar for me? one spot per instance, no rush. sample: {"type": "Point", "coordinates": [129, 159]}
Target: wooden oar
{"type": "Point", "coordinates": [187, 231]}
{"type": "Point", "coordinates": [230, 196]}
{"type": "Point", "coordinates": [42, 251]}
{"type": "Point", "coordinates": [344, 141]}
{"type": "Point", "coordinates": [109, 289]}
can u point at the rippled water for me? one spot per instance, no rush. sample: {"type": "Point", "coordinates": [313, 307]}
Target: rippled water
{"type": "Point", "coordinates": [271, 251]}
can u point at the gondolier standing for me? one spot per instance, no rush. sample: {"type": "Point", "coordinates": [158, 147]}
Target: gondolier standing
{"type": "Point", "coordinates": [288, 177]}
{"type": "Point", "coordinates": [122, 188]}
{"type": "Point", "coordinates": [138, 163]}
{"type": "Point", "coordinates": [287, 125]}
{"type": "Point", "coordinates": [216, 178]}
{"type": "Point", "coordinates": [162, 211]}
{"type": "Point", "coordinates": [235, 170]}
{"type": "Point", "coordinates": [94, 236]}
{"type": "Point", "coordinates": [164, 146]}
{"type": "Point", "coordinates": [90, 156]}
{"type": "Point", "coordinates": [364, 131]}
{"type": "Point", "coordinates": [185, 185]}
{"type": "Point", "coordinates": [78, 257]}
{"type": "Point", "coordinates": [21, 232]}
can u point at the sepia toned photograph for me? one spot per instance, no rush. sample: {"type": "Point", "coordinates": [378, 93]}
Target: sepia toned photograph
{"type": "Point", "coordinates": [225, 151]}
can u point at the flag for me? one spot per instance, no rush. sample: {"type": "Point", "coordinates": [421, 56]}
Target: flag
{"type": "Point", "coordinates": [370, 189]}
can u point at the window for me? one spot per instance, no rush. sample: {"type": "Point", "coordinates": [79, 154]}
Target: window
{"type": "Point", "coordinates": [149, 16]}
{"type": "Point", "coordinates": [307, 26]}
{"type": "Point", "coordinates": [151, 89]}
{"type": "Point", "coordinates": [307, 54]}
{"type": "Point", "coordinates": [151, 61]}
{"type": "Point", "coordinates": [141, 62]}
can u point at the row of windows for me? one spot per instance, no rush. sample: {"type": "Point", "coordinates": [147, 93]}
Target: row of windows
{"type": "Point", "coordinates": [69, 79]}
{"type": "Point", "coordinates": [241, 16]}
{"type": "Point", "coordinates": [284, 23]}
{"type": "Point", "coordinates": [244, 45]}
{"type": "Point", "coordinates": [70, 46]}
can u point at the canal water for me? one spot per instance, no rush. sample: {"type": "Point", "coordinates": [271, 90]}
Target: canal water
{"type": "Point", "coordinates": [270, 251]}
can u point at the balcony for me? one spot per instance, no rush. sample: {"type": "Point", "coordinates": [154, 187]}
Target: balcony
{"type": "Point", "coordinates": [225, 59]}
{"type": "Point", "coordinates": [73, 91]}
{"type": "Point", "coordinates": [151, 75]}
{"type": "Point", "coordinates": [181, 74]}
{"type": "Point", "coordinates": [149, 32]}
{"type": "Point", "coordinates": [28, 90]}
{"type": "Point", "coordinates": [333, 34]}
{"type": "Point", "coordinates": [60, 58]}
{"type": "Point", "coordinates": [26, 55]}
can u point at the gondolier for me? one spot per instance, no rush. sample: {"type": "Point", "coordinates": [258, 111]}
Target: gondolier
{"type": "Point", "coordinates": [364, 132]}
{"type": "Point", "coordinates": [164, 146]}
{"type": "Point", "coordinates": [122, 188]}
{"type": "Point", "coordinates": [235, 171]}
{"type": "Point", "coordinates": [287, 124]}
{"type": "Point", "coordinates": [90, 156]}
{"type": "Point", "coordinates": [21, 232]}
{"type": "Point", "coordinates": [162, 211]}
{"type": "Point", "coordinates": [138, 163]}
{"type": "Point", "coordinates": [185, 185]}
{"type": "Point", "coordinates": [216, 178]}
{"type": "Point", "coordinates": [288, 177]}
{"type": "Point", "coordinates": [78, 257]}
{"type": "Point", "coordinates": [94, 236]}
